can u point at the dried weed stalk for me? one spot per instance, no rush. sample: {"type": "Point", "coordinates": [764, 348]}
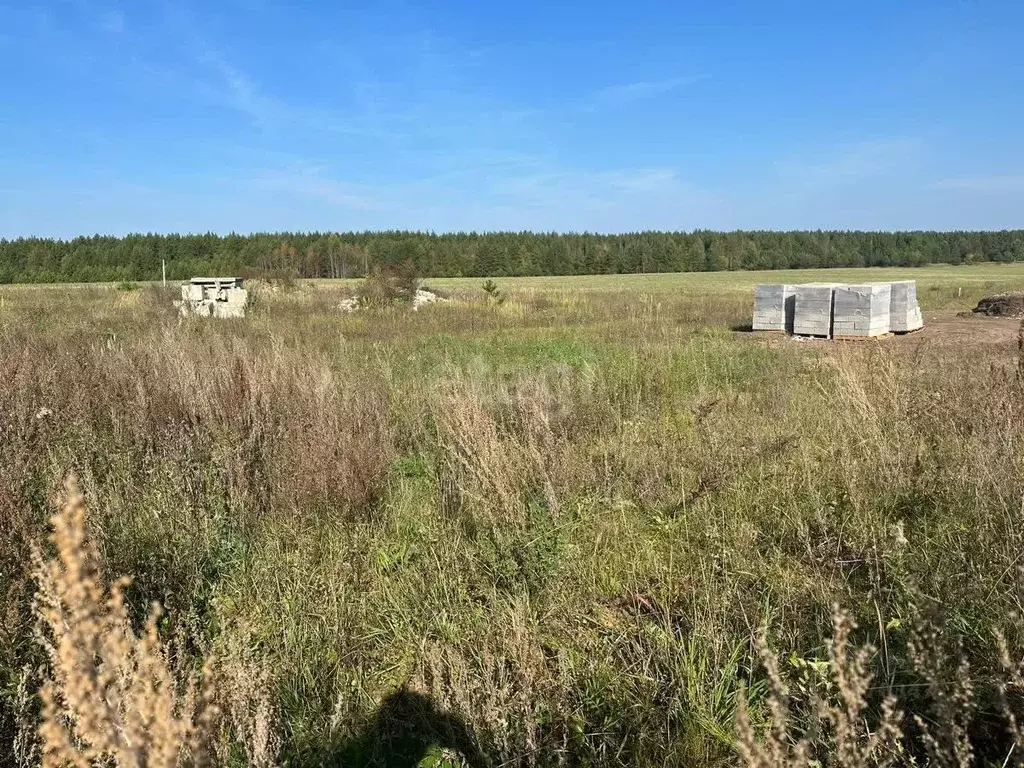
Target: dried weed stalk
{"type": "Point", "coordinates": [847, 740]}
{"type": "Point", "coordinates": [112, 696]}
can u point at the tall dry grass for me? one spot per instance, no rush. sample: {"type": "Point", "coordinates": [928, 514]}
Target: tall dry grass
{"type": "Point", "coordinates": [118, 696]}
{"type": "Point", "coordinates": [112, 694]}
{"type": "Point", "coordinates": [559, 530]}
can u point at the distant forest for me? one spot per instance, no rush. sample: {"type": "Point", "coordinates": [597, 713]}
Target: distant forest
{"type": "Point", "coordinates": [138, 257]}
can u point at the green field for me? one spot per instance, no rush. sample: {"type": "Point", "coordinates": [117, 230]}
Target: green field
{"type": "Point", "coordinates": [561, 529]}
{"type": "Point", "coordinates": [973, 278]}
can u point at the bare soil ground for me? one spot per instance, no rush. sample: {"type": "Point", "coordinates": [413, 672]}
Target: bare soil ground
{"type": "Point", "coordinates": [944, 328]}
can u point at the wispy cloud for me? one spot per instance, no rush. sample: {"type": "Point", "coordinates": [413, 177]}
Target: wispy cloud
{"type": "Point", "coordinates": [236, 90]}
{"type": "Point", "coordinates": [312, 182]}
{"type": "Point", "coordinates": [981, 184]}
{"type": "Point", "coordinates": [850, 162]}
{"type": "Point", "coordinates": [643, 89]}
{"type": "Point", "coordinates": [112, 22]}
{"type": "Point", "coordinates": [232, 88]}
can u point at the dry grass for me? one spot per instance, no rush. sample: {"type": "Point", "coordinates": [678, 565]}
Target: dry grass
{"type": "Point", "coordinates": [112, 694]}
{"type": "Point", "coordinates": [115, 696]}
{"type": "Point", "coordinates": [549, 531]}
{"type": "Point", "coordinates": [840, 734]}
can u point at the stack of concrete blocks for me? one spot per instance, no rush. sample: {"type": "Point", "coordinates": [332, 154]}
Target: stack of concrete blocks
{"type": "Point", "coordinates": [774, 308]}
{"type": "Point", "coordinates": [904, 311]}
{"type": "Point", "coordinates": [833, 310]}
{"type": "Point", "coordinates": [213, 297]}
{"type": "Point", "coordinates": [813, 309]}
{"type": "Point", "coordinates": [861, 311]}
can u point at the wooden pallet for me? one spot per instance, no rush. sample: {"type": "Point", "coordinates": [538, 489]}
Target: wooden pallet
{"type": "Point", "coordinates": [863, 338]}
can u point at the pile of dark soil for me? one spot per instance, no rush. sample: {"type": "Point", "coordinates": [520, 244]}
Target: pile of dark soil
{"type": "Point", "coordinates": [1002, 305]}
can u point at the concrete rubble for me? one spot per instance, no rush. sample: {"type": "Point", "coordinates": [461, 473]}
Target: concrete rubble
{"type": "Point", "coordinates": [213, 297]}
{"type": "Point", "coordinates": [420, 299]}
{"type": "Point", "coordinates": [836, 310]}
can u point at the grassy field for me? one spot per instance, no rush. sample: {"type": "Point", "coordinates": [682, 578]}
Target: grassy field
{"type": "Point", "coordinates": [589, 525]}
{"type": "Point", "coordinates": [938, 278]}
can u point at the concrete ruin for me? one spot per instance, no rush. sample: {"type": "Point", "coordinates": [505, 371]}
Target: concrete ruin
{"type": "Point", "coordinates": [213, 297]}
{"type": "Point", "coordinates": [836, 310]}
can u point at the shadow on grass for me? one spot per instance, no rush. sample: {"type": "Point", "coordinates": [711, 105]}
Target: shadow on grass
{"type": "Point", "coordinates": [408, 730]}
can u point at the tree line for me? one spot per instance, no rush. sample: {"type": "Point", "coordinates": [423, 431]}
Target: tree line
{"type": "Point", "coordinates": [140, 256]}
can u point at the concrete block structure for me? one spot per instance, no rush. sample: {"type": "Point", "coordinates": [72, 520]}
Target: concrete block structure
{"type": "Point", "coordinates": [774, 307]}
{"type": "Point", "coordinates": [904, 311]}
{"type": "Point", "coordinates": [812, 309]}
{"type": "Point", "coordinates": [861, 310]}
{"type": "Point", "coordinates": [213, 297]}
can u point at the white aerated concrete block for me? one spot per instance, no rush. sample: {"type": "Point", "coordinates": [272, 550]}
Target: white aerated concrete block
{"type": "Point", "coordinates": [861, 310]}
{"type": "Point", "coordinates": [773, 308]}
{"type": "Point", "coordinates": [812, 314]}
{"type": "Point", "coordinates": [904, 311]}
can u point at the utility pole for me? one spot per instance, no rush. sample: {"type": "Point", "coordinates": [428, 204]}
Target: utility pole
{"type": "Point", "coordinates": [163, 266]}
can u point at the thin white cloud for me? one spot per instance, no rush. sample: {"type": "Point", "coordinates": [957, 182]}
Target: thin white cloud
{"type": "Point", "coordinates": [112, 22]}
{"type": "Point", "coordinates": [643, 89]}
{"type": "Point", "coordinates": [310, 182]}
{"type": "Point", "coordinates": [983, 184]}
{"type": "Point", "coordinates": [850, 162]}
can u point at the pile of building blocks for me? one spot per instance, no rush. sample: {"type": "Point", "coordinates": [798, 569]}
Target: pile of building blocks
{"type": "Point", "coordinates": [904, 311]}
{"type": "Point", "coordinates": [773, 308]}
{"type": "Point", "coordinates": [861, 310]}
{"type": "Point", "coordinates": [813, 309]}
{"type": "Point", "coordinates": [838, 311]}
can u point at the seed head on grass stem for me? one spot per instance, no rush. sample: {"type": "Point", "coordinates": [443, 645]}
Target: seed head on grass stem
{"type": "Point", "coordinates": [112, 696]}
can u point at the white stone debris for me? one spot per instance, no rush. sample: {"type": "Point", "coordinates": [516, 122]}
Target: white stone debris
{"type": "Point", "coordinates": [421, 298]}
{"type": "Point", "coordinates": [349, 304]}
{"type": "Point", "coordinates": [213, 297]}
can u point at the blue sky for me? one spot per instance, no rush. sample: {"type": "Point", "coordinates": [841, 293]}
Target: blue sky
{"type": "Point", "coordinates": [256, 115]}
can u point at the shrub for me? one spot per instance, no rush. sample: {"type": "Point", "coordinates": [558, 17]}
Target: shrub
{"type": "Point", "coordinates": [390, 285]}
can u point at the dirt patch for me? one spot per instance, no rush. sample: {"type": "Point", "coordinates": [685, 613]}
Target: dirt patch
{"type": "Point", "coordinates": [942, 328]}
{"type": "Point", "coordinates": [1009, 304]}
